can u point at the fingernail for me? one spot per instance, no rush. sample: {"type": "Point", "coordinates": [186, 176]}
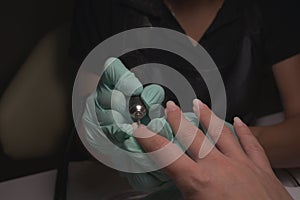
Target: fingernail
{"type": "Point", "coordinates": [171, 106]}
{"type": "Point", "coordinates": [197, 104]}
{"type": "Point", "coordinates": [196, 107]}
{"type": "Point", "coordinates": [109, 61]}
{"type": "Point", "coordinates": [238, 121]}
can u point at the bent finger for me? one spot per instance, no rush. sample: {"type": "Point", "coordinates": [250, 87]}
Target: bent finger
{"type": "Point", "coordinates": [153, 96]}
{"type": "Point", "coordinates": [117, 76]}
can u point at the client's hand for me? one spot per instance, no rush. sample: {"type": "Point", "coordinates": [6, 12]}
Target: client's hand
{"type": "Point", "coordinates": [231, 170]}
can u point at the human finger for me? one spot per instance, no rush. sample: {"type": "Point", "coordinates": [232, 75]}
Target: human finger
{"type": "Point", "coordinates": [117, 76]}
{"type": "Point", "coordinates": [153, 96]}
{"type": "Point", "coordinates": [221, 134]}
{"type": "Point", "coordinates": [250, 145]}
{"type": "Point", "coordinates": [165, 154]}
{"type": "Point", "coordinates": [189, 136]}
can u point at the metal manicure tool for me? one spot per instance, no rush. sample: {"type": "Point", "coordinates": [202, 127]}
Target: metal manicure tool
{"type": "Point", "coordinates": [137, 109]}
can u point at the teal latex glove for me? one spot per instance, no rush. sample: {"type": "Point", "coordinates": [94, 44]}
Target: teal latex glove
{"type": "Point", "coordinates": [114, 89]}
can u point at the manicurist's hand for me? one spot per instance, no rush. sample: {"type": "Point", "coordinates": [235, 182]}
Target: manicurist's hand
{"type": "Point", "coordinates": [231, 169]}
{"type": "Point", "coordinates": [115, 87]}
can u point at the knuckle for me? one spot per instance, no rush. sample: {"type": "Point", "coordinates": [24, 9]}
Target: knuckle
{"type": "Point", "coordinates": [196, 181]}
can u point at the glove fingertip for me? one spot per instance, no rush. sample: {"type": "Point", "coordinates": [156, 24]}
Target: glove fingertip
{"type": "Point", "coordinates": [109, 61]}
{"type": "Point", "coordinates": [139, 90]}
{"type": "Point", "coordinates": [153, 94]}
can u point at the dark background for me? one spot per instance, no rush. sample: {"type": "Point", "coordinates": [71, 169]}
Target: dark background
{"type": "Point", "coordinates": [23, 24]}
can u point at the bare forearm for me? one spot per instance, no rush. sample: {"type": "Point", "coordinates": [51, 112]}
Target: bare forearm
{"type": "Point", "coordinates": [281, 142]}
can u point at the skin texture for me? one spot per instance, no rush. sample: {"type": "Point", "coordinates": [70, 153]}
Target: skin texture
{"type": "Point", "coordinates": [280, 141]}
{"type": "Point", "coordinates": [231, 170]}
{"type": "Point", "coordinates": [194, 16]}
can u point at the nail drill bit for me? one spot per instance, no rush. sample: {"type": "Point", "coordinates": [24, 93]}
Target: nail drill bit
{"type": "Point", "coordinates": [137, 109]}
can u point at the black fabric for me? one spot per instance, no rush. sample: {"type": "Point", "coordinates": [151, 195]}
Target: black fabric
{"type": "Point", "coordinates": [245, 40]}
{"type": "Point", "coordinates": [281, 29]}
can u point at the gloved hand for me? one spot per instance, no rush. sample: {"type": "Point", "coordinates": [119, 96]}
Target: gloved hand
{"type": "Point", "coordinates": [114, 89]}
{"type": "Point", "coordinates": [111, 99]}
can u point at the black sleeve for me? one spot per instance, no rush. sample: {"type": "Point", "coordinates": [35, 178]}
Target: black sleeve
{"type": "Point", "coordinates": [281, 29]}
{"type": "Point", "coordinates": [91, 25]}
